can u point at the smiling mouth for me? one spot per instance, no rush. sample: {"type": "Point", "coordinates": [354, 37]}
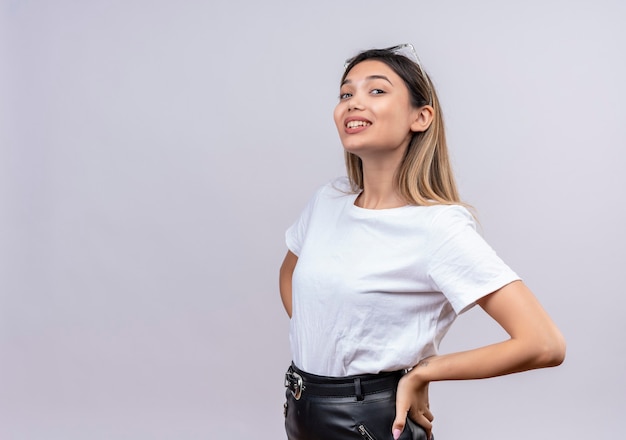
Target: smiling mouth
{"type": "Point", "coordinates": [356, 124]}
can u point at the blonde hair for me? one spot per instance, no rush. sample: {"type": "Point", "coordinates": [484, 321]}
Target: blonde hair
{"type": "Point", "coordinates": [424, 176]}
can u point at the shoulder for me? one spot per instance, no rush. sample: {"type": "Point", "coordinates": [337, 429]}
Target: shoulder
{"type": "Point", "coordinates": [448, 219]}
{"type": "Point", "coordinates": [337, 187]}
{"type": "Point", "coordinates": [333, 191]}
{"type": "Point", "coordinates": [340, 185]}
{"type": "Point", "coordinates": [440, 215]}
{"type": "Point", "coordinates": [451, 213]}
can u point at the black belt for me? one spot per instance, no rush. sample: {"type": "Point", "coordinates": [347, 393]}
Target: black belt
{"type": "Point", "coordinates": [351, 386]}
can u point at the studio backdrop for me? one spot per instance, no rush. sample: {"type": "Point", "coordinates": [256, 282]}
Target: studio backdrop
{"type": "Point", "coordinates": [152, 154]}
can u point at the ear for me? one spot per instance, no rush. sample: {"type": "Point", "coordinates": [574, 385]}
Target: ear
{"type": "Point", "coordinates": [423, 118]}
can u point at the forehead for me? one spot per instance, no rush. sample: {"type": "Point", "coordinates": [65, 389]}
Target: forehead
{"type": "Point", "coordinates": [372, 68]}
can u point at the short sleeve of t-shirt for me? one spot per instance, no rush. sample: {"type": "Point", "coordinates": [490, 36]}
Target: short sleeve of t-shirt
{"type": "Point", "coordinates": [295, 235]}
{"type": "Point", "coordinates": [462, 264]}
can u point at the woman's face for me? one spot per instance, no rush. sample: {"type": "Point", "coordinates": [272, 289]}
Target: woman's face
{"type": "Point", "coordinates": [374, 115]}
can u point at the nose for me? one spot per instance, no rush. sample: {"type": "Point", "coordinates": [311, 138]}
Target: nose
{"type": "Point", "coordinates": [355, 103]}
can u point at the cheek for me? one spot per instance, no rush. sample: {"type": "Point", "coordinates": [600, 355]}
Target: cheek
{"type": "Point", "coordinates": [338, 116]}
{"type": "Point", "coordinates": [399, 118]}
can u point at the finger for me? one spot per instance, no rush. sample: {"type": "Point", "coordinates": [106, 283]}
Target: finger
{"type": "Point", "coordinates": [416, 413]}
{"type": "Point", "coordinates": [398, 423]}
{"type": "Point", "coordinates": [422, 423]}
{"type": "Point", "coordinates": [428, 414]}
{"type": "Point", "coordinates": [423, 418]}
{"type": "Point", "coordinates": [402, 408]}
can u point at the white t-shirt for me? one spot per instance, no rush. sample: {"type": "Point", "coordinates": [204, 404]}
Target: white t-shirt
{"type": "Point", "coordinates": [376, 290]}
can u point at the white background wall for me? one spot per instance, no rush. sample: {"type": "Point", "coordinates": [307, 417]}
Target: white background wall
{"type": "Point", "coordinates": [153, 152]}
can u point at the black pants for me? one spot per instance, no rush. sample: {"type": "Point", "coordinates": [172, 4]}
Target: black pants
{"type": "Point", "coordinates": [368, 417]}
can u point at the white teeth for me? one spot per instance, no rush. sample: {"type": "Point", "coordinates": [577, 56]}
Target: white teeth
{"type": "Point", "coordinates": [355, 124]}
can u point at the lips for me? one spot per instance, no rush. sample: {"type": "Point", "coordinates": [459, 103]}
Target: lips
{"type": "Point", "coordinates": [356, 125]}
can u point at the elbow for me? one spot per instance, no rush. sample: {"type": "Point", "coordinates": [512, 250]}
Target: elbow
{"type": "Point", "coordinates": [551, 352]}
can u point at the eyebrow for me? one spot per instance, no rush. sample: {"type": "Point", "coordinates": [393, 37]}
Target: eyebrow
{"type": "Point", "coordinates": [369, 78]}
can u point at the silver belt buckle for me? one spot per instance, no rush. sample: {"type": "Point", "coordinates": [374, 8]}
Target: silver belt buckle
{"type": "Point", "coordinates": [297, 387]}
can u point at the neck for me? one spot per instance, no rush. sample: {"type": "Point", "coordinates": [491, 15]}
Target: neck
{"type": "Point", "coordinates": [379, 189]}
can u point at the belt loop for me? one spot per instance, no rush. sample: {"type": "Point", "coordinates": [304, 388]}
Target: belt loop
{"type": "Point", "coordinates": [357, 389]}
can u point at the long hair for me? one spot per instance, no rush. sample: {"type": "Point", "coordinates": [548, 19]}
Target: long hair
{"type": "Point", "coordinates": [424, 176]}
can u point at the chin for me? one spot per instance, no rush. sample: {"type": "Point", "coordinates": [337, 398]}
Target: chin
{"type": "Point", "coordinates": [356, 151]}
{"type": "Point", "coordinates": [354, 147]}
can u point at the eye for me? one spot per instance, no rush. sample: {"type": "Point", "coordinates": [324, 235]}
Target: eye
{"type": "Point", "coordinates": [345, 95]}
{"type": "Point", "coordinates": [377, 92]}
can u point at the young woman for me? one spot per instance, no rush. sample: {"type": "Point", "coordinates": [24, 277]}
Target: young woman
{"type": "Point", "coordinates": [380, 264]}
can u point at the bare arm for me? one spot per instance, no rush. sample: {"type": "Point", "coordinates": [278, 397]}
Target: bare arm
{"type": "Point", "coordinates": [286, 273]}
{"type": "Point", "coordinates": [535, 342]}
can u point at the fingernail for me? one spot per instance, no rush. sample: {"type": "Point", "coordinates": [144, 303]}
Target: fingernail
{"type": "Point", "coordinates": [396, 433]}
